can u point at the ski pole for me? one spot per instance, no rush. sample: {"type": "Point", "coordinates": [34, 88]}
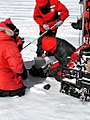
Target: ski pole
{"type": "Point", "coordinates": [38, 37]}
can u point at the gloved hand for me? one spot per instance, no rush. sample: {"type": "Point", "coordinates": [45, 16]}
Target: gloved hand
{"type": "Point", "coordinates": [20, 46]}
{"type": "Point", "coordinates": [60, 22]}
{"type": "Point", "coordinates": [46, 27]}
{"type": "Point", "coordinates": [24, 75]}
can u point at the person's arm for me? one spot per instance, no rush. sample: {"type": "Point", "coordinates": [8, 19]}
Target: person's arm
{"type": "Point", "coordinates": [64, 13]}
{"type": "Point", "coordinates": [37, 17]}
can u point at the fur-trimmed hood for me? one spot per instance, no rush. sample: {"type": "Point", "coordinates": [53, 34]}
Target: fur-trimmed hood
{"type": "Point", "coordinates": [5, 31]}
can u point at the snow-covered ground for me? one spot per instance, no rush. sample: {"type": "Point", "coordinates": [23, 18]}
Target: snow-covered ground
{"type": "Point", "coordinates": [38, 103]}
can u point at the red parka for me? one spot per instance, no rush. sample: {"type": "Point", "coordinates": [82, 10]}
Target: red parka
{"type": "Point", "coordinates": [61, 49]}
{"type": "Point", "coordinates": [87, 23]}
{"type": "Point", "coordinates": [11, 63]}
{"type": "Point", "coordinates": [87, 19]}
{"type": "Point", "coordinates": [52, 16]}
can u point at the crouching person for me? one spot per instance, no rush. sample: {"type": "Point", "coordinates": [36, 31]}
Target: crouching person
{"type": "Point", "coordinates": [78, 25]}
{"type": "Point", "coordinates": [12, 70]}
{"type": "Point", "coordinates": [61, 50]}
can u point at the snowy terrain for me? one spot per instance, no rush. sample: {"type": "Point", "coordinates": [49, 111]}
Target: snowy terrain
{"type": "Point", "coordinates": [38, 103]}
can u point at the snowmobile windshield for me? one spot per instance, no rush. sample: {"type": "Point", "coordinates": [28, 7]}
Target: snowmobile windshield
{"type": "Point", "coordinates": [45, 9]}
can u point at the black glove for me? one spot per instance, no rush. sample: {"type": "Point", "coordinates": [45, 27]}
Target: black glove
{"type": "Point", "coordinates": [24, 75]}
{"type": "Point", "coordinates": [20, 46]}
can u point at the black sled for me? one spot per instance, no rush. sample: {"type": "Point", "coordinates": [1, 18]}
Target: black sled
{"type": "Point", "coordinates": [81, 87]}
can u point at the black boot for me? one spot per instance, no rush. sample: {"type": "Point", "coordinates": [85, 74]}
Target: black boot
{"type": "Point", "coordinates": [74, 25]}
{"type": "Point", "coordinates": [77, 25]}
{"type": "Point", "coordinates": [81, 2]}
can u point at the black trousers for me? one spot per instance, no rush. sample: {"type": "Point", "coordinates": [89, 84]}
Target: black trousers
{"type": "Point", "coordinates": [10, 93]}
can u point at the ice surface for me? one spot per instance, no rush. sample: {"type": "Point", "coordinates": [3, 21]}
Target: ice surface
{"type": "Point", "coordinates": [38, 103]}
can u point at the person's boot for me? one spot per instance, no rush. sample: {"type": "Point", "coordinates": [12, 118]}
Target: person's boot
{"type": "Point", "coordinates": [77, 25]}
{"type": "Point", "coordinates": [81, 2]}
{"type": "Point", "coordinates": [74, 25]}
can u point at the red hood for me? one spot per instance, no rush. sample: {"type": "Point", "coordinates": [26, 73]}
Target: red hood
{"type": "Point", "coordinates": [3, 23]}
{"type": "Point", "coordinates": [8, 21]}
{"type": "Point", "coordinates": [49, 44]}
{"type": "Point", "coordinates": [41, 3]}
{"type": "Point", "coordinates": [3, 35]}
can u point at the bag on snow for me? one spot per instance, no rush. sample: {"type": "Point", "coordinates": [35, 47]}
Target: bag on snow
{"type": "Point", "coordinates": [41, 66]}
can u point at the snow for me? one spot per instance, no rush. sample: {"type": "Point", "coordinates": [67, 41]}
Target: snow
{"type": "Point", "coordinates": [38, 103]}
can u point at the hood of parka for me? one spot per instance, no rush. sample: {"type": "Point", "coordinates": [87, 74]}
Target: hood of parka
{"type": "Point", "coordinates": [49, 44]}
{"type": "Point", "coordinates": [5, 32]}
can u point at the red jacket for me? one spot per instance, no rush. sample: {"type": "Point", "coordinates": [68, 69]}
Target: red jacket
{"type": "Point", "coordinates": [11, 62]}
{"type": "Point", "coordinates": [51, 17]}
{"type": "Point", "coordinates": [75, 55]}
{"type": "Point", "coordinates": [87, 23]}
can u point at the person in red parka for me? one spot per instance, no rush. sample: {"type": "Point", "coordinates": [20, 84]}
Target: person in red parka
{"type": "Point", "coordinates": [78, 24]}
{"type": "Point", "coordinates": [61, 50]}
{"type": "Point", "coordinates": [46, 14]}
{"type": "Point", "coordinates": [66, 54]}
{"type": "Point", "coordinates": [11, 62]}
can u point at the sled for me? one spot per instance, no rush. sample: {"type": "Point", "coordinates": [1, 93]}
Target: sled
{"type": "Point", "coordinates": [76, 90]}
{"type": "Point", "coordinates": [76, 83]}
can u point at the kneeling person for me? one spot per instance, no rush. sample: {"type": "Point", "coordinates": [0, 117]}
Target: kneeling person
{"type": "Point", "coordinates": [11, 63]}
